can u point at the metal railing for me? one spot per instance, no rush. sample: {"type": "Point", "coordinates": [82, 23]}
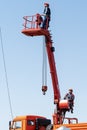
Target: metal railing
{"type": "Point", "coordinates": [34, 21]}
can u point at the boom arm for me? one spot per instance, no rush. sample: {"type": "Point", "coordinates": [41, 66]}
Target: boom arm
{"type": "Point", "coordinates": [53, 71]}
{"type": "Point", "coordinates": [50, 49]}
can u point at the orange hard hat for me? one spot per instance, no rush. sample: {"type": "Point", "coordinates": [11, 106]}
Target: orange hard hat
{"type": "Point", "coordinates": [37, 14]}
{"type": "Point", "coordinates": [46, 4]}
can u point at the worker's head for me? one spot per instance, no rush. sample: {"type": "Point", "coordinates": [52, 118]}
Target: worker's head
{"type": "Point", "coordinates": [46, 4]}
{"type": "Point", "coordinates": [70, 90]}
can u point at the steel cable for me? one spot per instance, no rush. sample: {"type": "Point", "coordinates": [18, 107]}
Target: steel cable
{"type": "Point", "coordinates": [44, 64]}
{"type": "Point", "coordinates": [6, 77]}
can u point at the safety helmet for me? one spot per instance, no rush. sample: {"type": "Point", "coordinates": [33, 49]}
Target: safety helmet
{"type": "Point", "coordinates": [37, 14]}
{"type": "Point", "coordinates": [46, 4]}
{"type": "Point", "coordinates": [71, 89]}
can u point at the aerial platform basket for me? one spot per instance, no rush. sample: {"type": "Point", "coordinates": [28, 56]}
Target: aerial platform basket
{"type": "Point", "coordinates": [32, 26]}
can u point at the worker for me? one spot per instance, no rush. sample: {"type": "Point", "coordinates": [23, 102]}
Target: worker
{"type": "Point", "coordinates": [46, 14]}
{"type": "Point", "coordinates": [39, 20]}
{"type": "Point", "coordinates": [70, 97]}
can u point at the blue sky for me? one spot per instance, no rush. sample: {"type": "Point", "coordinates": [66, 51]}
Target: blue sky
{"type": "Point", "coordinates": [23, 57]}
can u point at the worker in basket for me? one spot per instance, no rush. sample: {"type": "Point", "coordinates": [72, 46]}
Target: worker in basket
{"type": "Point", "coordinates": [46, 14]}
{"type": "Point", "coordinates": [39, 20]}
{"type": "Point", "coordinates": [70, 97]}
